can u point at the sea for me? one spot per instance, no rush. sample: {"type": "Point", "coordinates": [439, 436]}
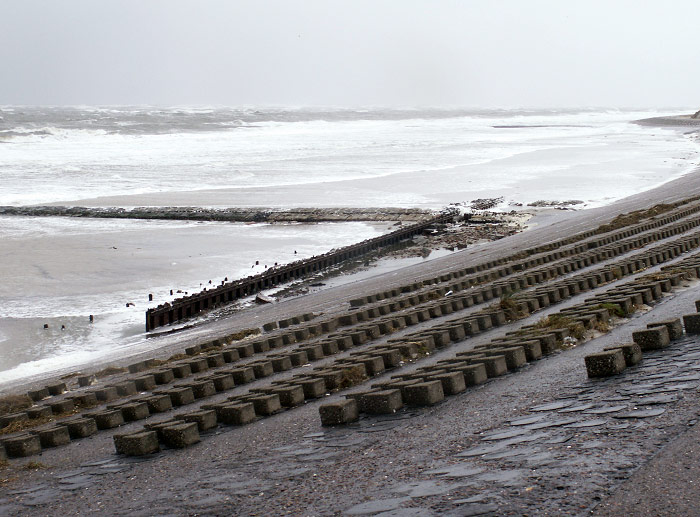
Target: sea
{"type": "Point", "coordinates": [56, 272]}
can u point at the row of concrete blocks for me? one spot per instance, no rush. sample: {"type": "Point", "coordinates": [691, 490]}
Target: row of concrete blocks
{"type": "Point", "coordinates": [465, 372]}
{"type": "Point", "coordinates": [32, 442]}
{"type": "Point", "coordinates": [613, 360]}
{"type": "Point", "coordinates": [532, 304]}
{"type": "Point", "coordinates": [185, 393]}
{"type": "Point", "coordinates": [542, 299]}
{"type": "Point", "coordinates": [263, 401]}
{"type": "Point", "coordinates": [269, 399]}
{"type": "Point", "coordinates": [577, 284]}
{"type": "Point", "coordinates": [663, 253]}
{"type": "Point", "coordinates": [556, 255]}
{"type": "Point", "coordinates": [115, 415]}
{"type": "Point", "coordinates": [429, 385]}
{"type": "Point", "coordinates": [495, 359]}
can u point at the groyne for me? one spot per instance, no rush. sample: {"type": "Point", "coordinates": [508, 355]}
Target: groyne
{"type": "Point", "coordinates": [236, 214]}
{"type": "Point", "coordinates": [186, 307]}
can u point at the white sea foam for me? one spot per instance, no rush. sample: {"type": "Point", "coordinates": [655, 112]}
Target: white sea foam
{"type": "Point", "coordinates": [52, 164]}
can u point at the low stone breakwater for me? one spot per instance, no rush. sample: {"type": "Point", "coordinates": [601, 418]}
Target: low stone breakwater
{"type": "Point", "coordinates": [242, 215]}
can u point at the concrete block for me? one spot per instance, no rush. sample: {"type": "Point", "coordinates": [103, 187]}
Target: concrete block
{"type": "Point", "coordinates": [548, 342]}
{"type": "Point", "coordinates": [107, 419]}
{"type": "Point", "coordinates": [452, 382]}
{"type": "Point", "coordinates": [674, 327]}
{"type": "Point", "coordinates": [262, 369]}
{"type": "Point", "coordinates": [85, 400]}
{"type": "Point", "coordinates": [374, 365]}
{"type": "Point", "coordinates": [159, 403]}
{"type": "Point", "coordinates": [222, 382]}
{"type": "Point", "coordinates": [62, 406]}
{"type": "Point", "coordinates": [180, 435]}
{"type": "Point", "coordinates": [339, 413]}
{"type": "Point", "coordinates": [245, 350]}
{"type": "Point", "coordinates": [382, 402]}
{"type": "Point", "coordinates": [652, 339]}
{"type": "Point", "coordinates": [205, 419]}
{"type": "Point", "coordinates": [216, 359]}
{"type": "Point", "coordinates": [53, 436]}
{"type": "Point", "coordinates": [313, 352]}
{"type": "Point", "coordinates": [266, 405]}
{"type": "Point", "coordinates": [302, 334]}
{"type": "Point", "coordinates": [38, 394]}
{"type": "Point", "coordinates": [329, 347]}
{"type": "Point", "coordinates": [80, 427]}
{"type": "Point", "coordinates": [137, 367]}
{"type": "Point", "coordinates": [180, 395]}
{"type": "Point", "coordinates": [202, 388]}
{"type": "Point", "coordinates": [22, 445]}
{"type": "Point", "coordinates": [474, 374]}
{"type": "Point", "coordinates": [231, 355]}
{"type": "Point", "coordinates": [126, 388]}
{"type": "Point", "coordinates": [164, 376]}
{"type": "Point", "coordinates": [423, 393]}
{"type": "Point", "coordinates": [133, 411]}
{"type": "Point", "coordinates": [281, 364]}
{"type": "Point", "coordinates": [145, 383]}
{"type": "Point", "coordinates": [514, 355]}
{"type": "Point", "coordinates": [605, 364]}
{"type": "Point", "coordinates": [159, 426]}
{"type": "Point", "coordinates": [348, 319]}
{"type": "Point", "coordinates": [691, 322]}
{"type": "Point", "coordinates": [107, 394]}
{"type": "Point", "coordinates": [236, 414]}
{"type": "Point", "coordinates": [331, 378]}
{"type": "Point", "coordinates": [631, 351]}
{"type": "Point", "coordinates": [86, 380]}
{"type": "Point", "coordinates": [193, 350]}
{"type": "Point", "coordinates": [181, 370]}
{"type": "Point", "coordinates": [290, 396]}
{"type": "Point", "coordinates": [298, 358]}
{"type": "Point", "coordinates": [269, 327]}
{"type": "Point", "coordinates": [495, 365]}
{"type": "Point", "coordinates": [242, 375]}
{"type": "Point", "coordinates": [56, 388]}
{"type": "Point", "coordinates": [391, 357]}
{"type": "Point", "coordinates": [136, 444]}
{"type": "Point", "coordinates": [313, 388]}
{"type": "Point", "coordinates": [533, 350]}
{"type": "Point", "coordinates": [275, 341]}
{"type": "Point", "coordinates": [198, 365]}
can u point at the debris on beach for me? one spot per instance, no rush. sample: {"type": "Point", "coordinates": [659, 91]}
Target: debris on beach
{"type": "Point", "coordinates": [555, 204]}
{"type": "Point", "coordinates": [263, 298]}
{"type": "Point", "coordinates": [486, 203]}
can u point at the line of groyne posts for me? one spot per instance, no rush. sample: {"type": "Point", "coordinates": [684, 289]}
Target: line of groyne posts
{"type": "Point", "coordinates": [186, 307]}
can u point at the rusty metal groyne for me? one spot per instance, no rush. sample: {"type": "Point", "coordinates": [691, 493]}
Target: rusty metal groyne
{"type": "Point", "coordinates": [186, 307]}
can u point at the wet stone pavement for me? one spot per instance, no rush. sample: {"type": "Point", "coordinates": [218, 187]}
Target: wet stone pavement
{"type": "Point", "coordinates": [556, 458]}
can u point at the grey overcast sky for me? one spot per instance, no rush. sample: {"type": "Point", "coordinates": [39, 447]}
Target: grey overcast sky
{"type": "Point", "coordinates": [325, 52]}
